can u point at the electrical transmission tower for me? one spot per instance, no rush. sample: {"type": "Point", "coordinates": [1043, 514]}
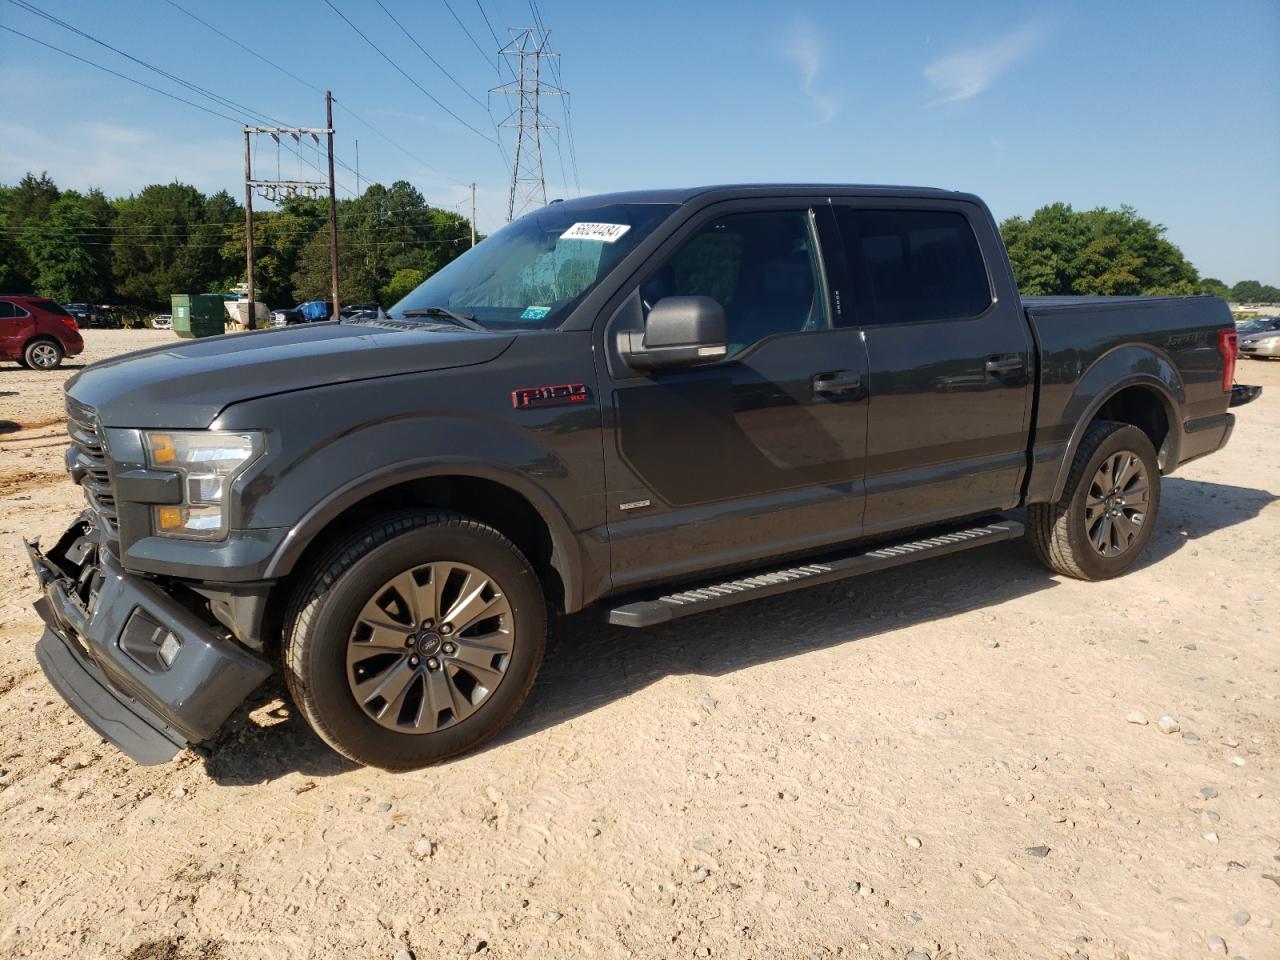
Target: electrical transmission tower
{"type": "Point", "coordinates": [528, 183]}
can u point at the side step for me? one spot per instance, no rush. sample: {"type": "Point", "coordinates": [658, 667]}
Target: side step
{"type": "Point", "coordinates": [711, 596]}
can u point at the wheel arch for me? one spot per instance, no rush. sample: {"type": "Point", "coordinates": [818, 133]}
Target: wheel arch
{"type": "Point", "coordinates": [501, 498]}
{"type": "Point", "coordinates": [1146, 400]}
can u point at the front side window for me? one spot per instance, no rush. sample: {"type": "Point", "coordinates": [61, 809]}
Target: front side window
{"type": "Point", "coordinates": [533, 272]}
{"type": "Point", "coordinates": [762, 268]}
{"type": "Point", "coordinates": [909, 266]}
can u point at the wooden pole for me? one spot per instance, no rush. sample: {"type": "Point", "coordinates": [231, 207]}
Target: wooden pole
{"type": "Point", "coordinates": [473, 214]}
{"type": "Point", "coordinates": [251, 320]}
{"type": "Point", "coordinates": [333, 206]}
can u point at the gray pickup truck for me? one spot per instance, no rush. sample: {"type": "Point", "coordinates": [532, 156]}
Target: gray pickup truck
{"type": "Point", "coordinates": [650, 404]}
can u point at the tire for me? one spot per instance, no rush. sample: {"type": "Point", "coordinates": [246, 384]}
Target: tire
{"type": "Point", "coordinates": [333, 654]}
{"type": "Point", "coordinates": [42, 354]}
{"type": "Point", "coordinates": [1093, 533]}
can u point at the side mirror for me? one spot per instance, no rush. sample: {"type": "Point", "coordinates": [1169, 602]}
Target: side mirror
{"type": "Point", "coordinates": [680, 332]}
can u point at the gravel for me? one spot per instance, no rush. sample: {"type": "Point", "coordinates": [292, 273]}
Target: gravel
{"type": "Point", "coordinates": [1038, 852]}
{"type": "Point", "coordinates": [1136, 716]}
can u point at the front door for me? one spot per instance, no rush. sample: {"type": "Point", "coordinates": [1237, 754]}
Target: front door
{"type": "Point", "coordinates": [756, 455]}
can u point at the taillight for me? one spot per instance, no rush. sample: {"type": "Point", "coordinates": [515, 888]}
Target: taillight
{"type": "Point", "coordinates": [70, 322]}
{"type": "Point", "coordinates": [1228, 346]}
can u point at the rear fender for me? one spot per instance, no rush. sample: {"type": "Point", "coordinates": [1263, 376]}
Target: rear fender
{"type": "Point", "coordinates": [1127, 366]}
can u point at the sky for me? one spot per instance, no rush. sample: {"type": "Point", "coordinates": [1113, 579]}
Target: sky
{"type": "Point", "coordinates": [1170, 106]}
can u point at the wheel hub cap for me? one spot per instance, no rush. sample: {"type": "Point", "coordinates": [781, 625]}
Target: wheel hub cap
{"type": "Point", "coordinates": [428, 643]}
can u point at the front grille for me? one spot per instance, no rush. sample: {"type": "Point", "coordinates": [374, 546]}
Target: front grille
{"type": "Point", "coordinates": [87, 462]}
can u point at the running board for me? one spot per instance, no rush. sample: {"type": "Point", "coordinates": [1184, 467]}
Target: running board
{"type": "Point", "coordinates": [672, 606]}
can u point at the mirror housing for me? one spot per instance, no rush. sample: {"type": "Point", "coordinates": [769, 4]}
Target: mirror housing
{"type": "Point", "coordinates": [679, 332]}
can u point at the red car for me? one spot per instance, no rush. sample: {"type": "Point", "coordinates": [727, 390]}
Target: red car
{"type": "Point", "coordinates": [36, 332]}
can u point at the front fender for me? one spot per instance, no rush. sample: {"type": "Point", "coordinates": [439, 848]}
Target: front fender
{"type": "Point", "coordinates": [565, 555]}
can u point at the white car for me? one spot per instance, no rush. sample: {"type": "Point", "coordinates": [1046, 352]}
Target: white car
{"type": "Point", "coordinates": [162, 321]}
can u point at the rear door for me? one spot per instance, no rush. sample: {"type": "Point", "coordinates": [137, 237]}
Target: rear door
{"type": "Point", "coordinates": [755, 455]}
{"type": "Point", "coordinates": [15, 328]}
{"type": "Point", "coordinates": [950, 360]}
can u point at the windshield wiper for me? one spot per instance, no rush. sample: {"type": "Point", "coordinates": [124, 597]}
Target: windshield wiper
{"type": "Point", "coordinates": [461, 319]}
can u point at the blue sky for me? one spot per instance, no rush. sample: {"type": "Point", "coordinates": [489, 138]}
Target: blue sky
{"type": "Point", "coordinates": [1171, 106]}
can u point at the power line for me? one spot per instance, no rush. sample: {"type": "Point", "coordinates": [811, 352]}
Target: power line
{"type": "Point", "coordinates": [196, 88]}
{"type": "Point", "coordinates": [458, 20]}
{"type": "Point", "coordinates": [496, 42]}
{"type": "Point", "coordinates": [310, 86]}
{"type": "Point", "coordinates": [401, 71]}
{"type": "Point", "coordinates": [232, 39]}
{"type": "Point", "coordinates": [414, 41]}
{"type": "Point", "coordinates": [163, 93]}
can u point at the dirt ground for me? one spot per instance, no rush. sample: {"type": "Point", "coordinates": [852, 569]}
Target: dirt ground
{"type": "Point", "coordinates": [938, 759]}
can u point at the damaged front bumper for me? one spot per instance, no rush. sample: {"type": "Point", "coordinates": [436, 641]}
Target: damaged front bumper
{"type": "Point", "coordinates": [136, 664]}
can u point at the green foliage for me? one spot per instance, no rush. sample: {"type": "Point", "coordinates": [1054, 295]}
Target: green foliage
{"type": "Point", "coordinates": [171, 238]}
{"type": "Point", "coordinates": [68, 248]}
{"type": "Point", "coordinates": [402, 283]}
{"type": "Point", "coordinates": [1253, 291]}
{"type": "Point", "coordinates": [1061, 251]}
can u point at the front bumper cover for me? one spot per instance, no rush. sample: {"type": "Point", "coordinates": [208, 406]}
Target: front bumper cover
{"type": "Point", "coordinates": [137, 665]}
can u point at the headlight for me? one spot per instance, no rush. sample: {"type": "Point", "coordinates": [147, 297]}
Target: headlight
{"type": "Point", "coordinates": [1268, 341]}
{"type": "Point", "coordinates": [207, 461]}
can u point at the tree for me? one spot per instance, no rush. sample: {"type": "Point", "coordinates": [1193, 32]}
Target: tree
{"type": "Point", "coordinates": [69, 248]}
{"type": "Point", "coordinates": [1061, 251]}
{"type": "Point", "coordinates": [401, 284]}
{"type": "Point", "coordinates": [171, 239]}
{"type": "Point", "coordinates": [1215, 288]}
{"type": "Point", "coordinates": [1253, 291]}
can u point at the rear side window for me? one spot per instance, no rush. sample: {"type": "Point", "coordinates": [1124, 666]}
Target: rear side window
{"type": "Point", "coordinates": [48, 306]}
{"type": "Point", "coordinates": [909, 266]}
{"type": "Point", "coordinates": [6, 310]}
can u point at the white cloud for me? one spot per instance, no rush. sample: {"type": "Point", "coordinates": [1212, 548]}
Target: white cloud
{"type": "Point", "coordinates": [966, 73]}
{"type": "Point", "coordinates": [804, 48]}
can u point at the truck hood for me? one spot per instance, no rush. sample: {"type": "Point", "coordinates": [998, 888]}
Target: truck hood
{"type": "Point", "coordinates": [188, 383]}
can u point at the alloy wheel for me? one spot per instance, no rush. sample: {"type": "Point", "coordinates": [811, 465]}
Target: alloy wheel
{"type": "Point", "coordinates": [1116, 504]}
{"type": "Point", "coordinates": [44, 356]}
{"type": "Point", "coordinates": [429, 647]}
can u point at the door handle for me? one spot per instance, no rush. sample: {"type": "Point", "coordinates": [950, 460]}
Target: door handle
{"type": "Point", "coordinates": [839, 381]}
{"type": "Point", "coordinates": [1008, 363]}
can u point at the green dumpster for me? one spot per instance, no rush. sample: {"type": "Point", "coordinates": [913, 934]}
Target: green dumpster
{"type": "Point", "coordinates": [198, 315]}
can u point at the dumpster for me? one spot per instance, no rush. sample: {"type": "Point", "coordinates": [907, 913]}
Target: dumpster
{"type": "Point", "coordinates": [198, 314]}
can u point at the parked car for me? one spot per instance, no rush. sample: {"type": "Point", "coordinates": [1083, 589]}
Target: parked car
{"type": "Point", "coordinates": [91, 315]}
{"type": "Point", "coordinates": [359, 311]}
{"type": "Point", "coordinates": [1261, 338]}
{"type": "Point", "coordinates": [311, 311]}
{"type": "Point", "coordinates": [656, 403]}
{"type": "Point", "coordinates": [36, 332]}
{"type": "Point", "coordinates": [162, 321]}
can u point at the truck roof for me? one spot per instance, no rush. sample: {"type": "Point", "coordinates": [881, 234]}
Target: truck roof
{"type": "Point", "coordinates": [729, 191]}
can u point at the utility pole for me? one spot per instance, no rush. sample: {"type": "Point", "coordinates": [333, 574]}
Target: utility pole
{"type": "Point", "coordinates": [248, 232]}
{"type": "Point", "coordinates": [528, 182]}
{"type": "Point", "coordinates": [357, 168]}
{"type": "Point", "coordinates": [473, 214]}
{"type": "Point", "coordinates": [333, 205]}
{"type": "Point", "coordinates": [275, 190]}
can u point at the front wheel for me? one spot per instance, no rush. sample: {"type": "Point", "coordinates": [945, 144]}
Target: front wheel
{"type": "Point", "coordinates": [1107, 512]}
{"type": "Point", "coordinates": [416, 639]}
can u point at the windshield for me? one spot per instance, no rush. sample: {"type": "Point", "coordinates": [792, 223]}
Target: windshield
{"type": "Point", "coordinates": [532, 272]}
{"type": "Point", "coordinates": [1259, 325]}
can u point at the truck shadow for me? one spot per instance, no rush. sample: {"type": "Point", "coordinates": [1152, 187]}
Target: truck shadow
{"type": "Point", "coordinates": [590, 664]}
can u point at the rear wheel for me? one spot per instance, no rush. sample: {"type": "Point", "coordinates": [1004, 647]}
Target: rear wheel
{"type": "Point", "coordinates": [415, 640]}
{"type": "Point", "coordinates": [42, 355]}
{"type": "Point", "coordinates": [1107, 512]}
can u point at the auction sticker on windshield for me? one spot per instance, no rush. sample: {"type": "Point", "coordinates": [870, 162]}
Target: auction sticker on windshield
{"type": "Point", "coordinates": [535, 313]}
{"type": "Point", "coordinates": [608, 232]}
